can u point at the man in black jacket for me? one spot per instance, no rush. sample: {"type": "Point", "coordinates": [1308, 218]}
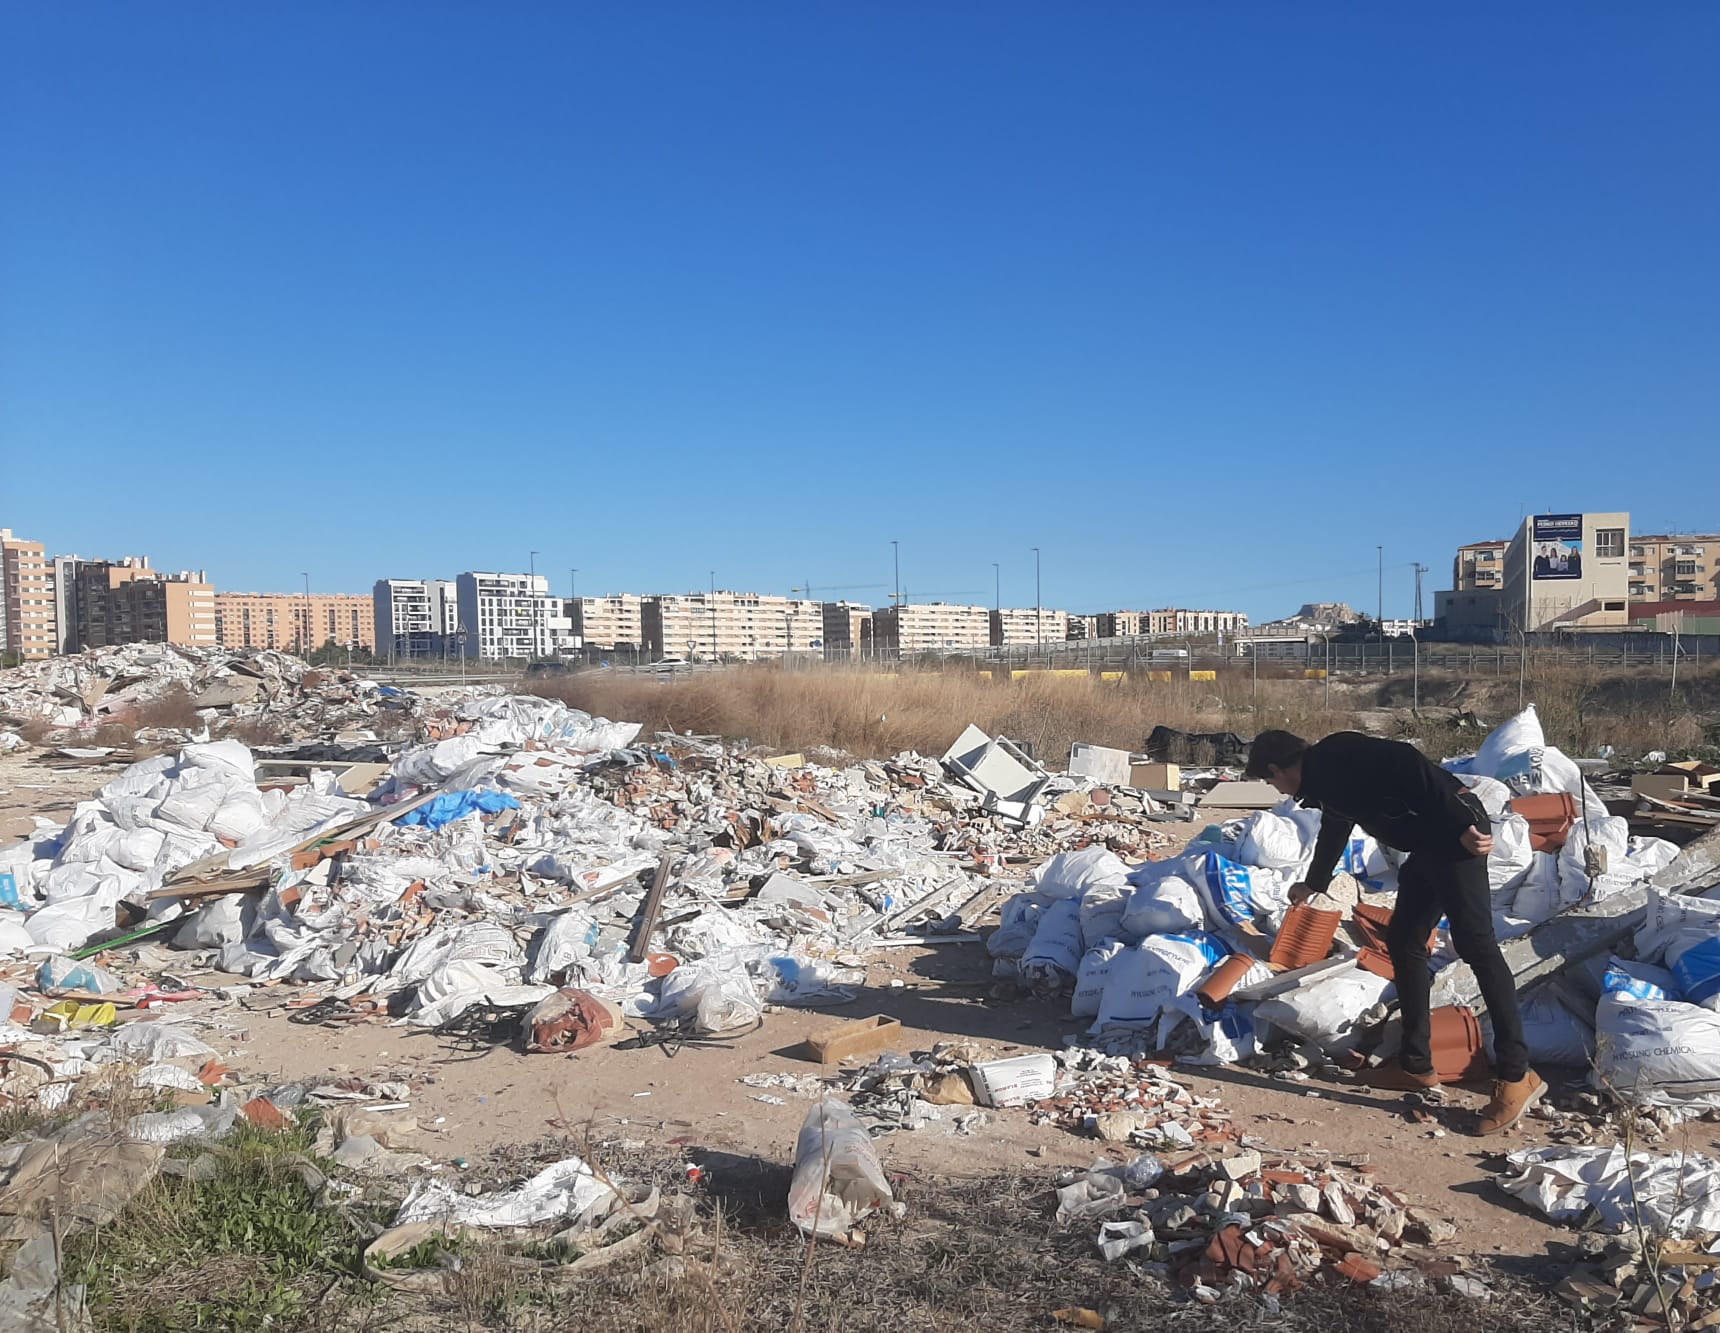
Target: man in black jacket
{"type": "Point", "coordinates": [1394, 792]}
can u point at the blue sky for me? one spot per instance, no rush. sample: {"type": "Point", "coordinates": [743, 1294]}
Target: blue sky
{"type": "Point", "coordinates": [1204, 301]}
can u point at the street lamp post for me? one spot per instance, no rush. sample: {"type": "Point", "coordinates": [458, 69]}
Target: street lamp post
{"type": "Point", "coordinates": [713, 605]}
{"type": "Point", "coordinates": [1038, 613]}
{"type": "Point", "coordinates": [305, 647]}
{"type": "Point", "coordinates": [997, 587]}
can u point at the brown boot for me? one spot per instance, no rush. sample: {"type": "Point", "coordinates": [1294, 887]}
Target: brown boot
{"type": "Point", "coordinates": [1393, 1077]}
{"type": "Point", "coordinates": [1510, 1101]}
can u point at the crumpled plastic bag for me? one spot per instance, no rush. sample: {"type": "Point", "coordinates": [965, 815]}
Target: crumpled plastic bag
{"type": "Point", "coordinates": [568, 1189]}
{"type": "Point", "coordinates": [838, 1178]}
{"type": "Point", "coordinates": [716, 999]}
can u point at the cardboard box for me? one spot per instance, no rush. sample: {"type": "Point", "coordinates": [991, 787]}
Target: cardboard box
{"type": "Point", "coordinates": [1702, 777]}
{"type": "Point", "coordinates": [1166, 777]}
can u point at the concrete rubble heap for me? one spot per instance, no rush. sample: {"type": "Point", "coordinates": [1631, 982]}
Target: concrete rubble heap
{"type": "Point", "coordinates": [530, 869]}
{"type": "Point", "coordinates": [69, 698]}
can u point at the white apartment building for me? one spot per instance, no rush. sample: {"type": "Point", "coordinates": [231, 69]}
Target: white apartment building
{"type": "Point", "coordinates": [1176, 620]}
{"type": "Point", "coordinates": [608, 622]}
{"type": "Point", "coordinates": [511, 616]}
{"type": "Point", "coordinates": [929, 627]}
{"type": "Point", "coordinates": [415, 617]}
{"type": "Point", "coordinates": [739, 626]}
{"type": "Point", "coordinates": [1011, 625]}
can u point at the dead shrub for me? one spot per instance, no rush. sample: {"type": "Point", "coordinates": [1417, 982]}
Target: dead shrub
{"type": "Point", "coordinates": [173, 708]}
{"type": "Point", "coordinates": [257, 729]}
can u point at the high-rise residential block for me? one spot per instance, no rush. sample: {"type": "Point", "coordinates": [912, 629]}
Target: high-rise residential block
{"type": "Point", "coordinates": [26, 598]}
{"type": "Point", "coordinates": [511, 616]}
{"type": "Point", "coordinates": [125, 601]}
{"type": "Point", "coordinates": [296, 622]}
{"type": "Point", "coordinates": [608, 623]}
{"type": "Point", "coordinates": [929, 627]}
{"type": "Point", "coordinates": [415, 617]}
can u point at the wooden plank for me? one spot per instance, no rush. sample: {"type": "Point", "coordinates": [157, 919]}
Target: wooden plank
{"type": "Point", "coordinates": [651, 909]}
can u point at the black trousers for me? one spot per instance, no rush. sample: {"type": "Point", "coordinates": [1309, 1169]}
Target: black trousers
{"type": "Point", "coordinates": [1457, 889]}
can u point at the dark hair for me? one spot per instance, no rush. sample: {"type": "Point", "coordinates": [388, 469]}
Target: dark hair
{"type": "Point", "coordinates": [1274, 749]}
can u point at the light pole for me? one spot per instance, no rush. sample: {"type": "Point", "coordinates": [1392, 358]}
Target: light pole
{"type": "Point", "coordinates": [306, 648]}
{"type": "Point", "coordinates": [1038, 615]}
{"type": "Point", "coordinates": [537, 605]}
{"type": "Point", "coordinates": [896, 556]}
{"type": "Point", "coordinates": [713, 605]}
{"type": "Point", "coordinates": [997, 586]}
{"type": "Point", "coordinates": [1380, 601]}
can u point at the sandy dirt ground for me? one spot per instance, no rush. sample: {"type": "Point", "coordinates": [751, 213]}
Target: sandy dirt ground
{"type": "Point", "coordinates": [471, 1102]}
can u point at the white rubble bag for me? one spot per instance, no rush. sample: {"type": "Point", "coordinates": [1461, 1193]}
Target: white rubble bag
{"type": "Point", "coordinates": [1018, 918]}
{"type": "Point", "coordinates": [1145, 977]}
{"type": "Point", "coordinates": [1644, 981]}
{"type": "Point", "coordinates": [1276, 839]}
{"type": "Point", "coordinates": [1610, 833]}
{"type": "Point", "coordinates": [717, 999]}
{"type": "Point", "coordinates": [1553, 1034]}
{"type": "Point", "coordinates": [1239, 895]}
{"type": "Point", "coordinates": [1161, 902]}
{"type": "Point", "coordinates": [1512, 855]}
{"type": "Point", "coordinates": [1091, 976]}
{"type": "Point", "coordinates": [1326, 1010]}
{"type": "Point", "coordinates": [1070, 874]}
{"type": "Point", "coordinates": [1673, 915]}
{"type": "Point", "coordinates": [1055, 953]}
{"type": "Point", "coordinates": [1537, 895]}
{"type": "Point", "coordinates": [1102, 907]}
{"type": "Point", "coordinates": [1657, 1052]}
{"type": "Point", "coordinates": [1366, 862]}
{"type": "Point", "coordinates": [838, 1179]}
{"type": "Point", "coordinates": [1494, 795]}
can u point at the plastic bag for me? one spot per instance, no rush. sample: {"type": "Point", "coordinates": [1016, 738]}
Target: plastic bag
{"type": "Point", "coordinates": [1273, 841]}
{"type": "Point", "coordinates": [1642, 981]}
{"type": "Point", "coordinates": [1163, 906]}
{"type": "Point", "coordinates": [1239, 895]}
{"type": "Point", "coordinates": [1326, 1010]}
{"type": "Point", "coordinates": [838, 1179]}
{"type": "Point", "coordinates": [716, 999]}
{"type": "Point", "coordinates": [1509, 861]}
{"type": "Point", "coordinates": [1147, 976]}
{"type": "Point", "coordinates": [1673, 914]}
{"type": "Point", "coordinates": [1657, 1051]}
{"type": "Point", "coordinates": [1055, 951]}
{"type": "Point", "coordinates": [60, 973]}
{"type": "Point", "coordinates": [1090, 978]}
{"type": "Point", "coordinates": [1069, 874]}
{"type": "Point", "coordinates": [1554, 1035]}
{"type": "Point", "coordinates": [1611, 833]}
{"type": "Point", "coordinates": [1102, 907]}
{"type": "Point", "coordinates": [1018, 918]}
{"type": "Point", "coordinates": [1538, 894]}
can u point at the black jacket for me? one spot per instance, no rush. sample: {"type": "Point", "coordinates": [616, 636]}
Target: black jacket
{"type": "Point", "coordinates": [1392, 791]}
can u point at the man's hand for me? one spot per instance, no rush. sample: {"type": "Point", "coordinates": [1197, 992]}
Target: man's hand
{"type": "Point", "coordinates": [1300, 893]}
{"type": "Point", "coordinates": [1477, 843]}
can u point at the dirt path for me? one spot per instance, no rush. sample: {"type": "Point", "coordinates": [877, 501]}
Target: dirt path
{"type": "Point", "coordinates": [497, 1097]}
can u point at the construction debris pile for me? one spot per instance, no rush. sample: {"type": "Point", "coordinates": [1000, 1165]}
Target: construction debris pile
{"type": "Point", "coordinates": [530, 848]}
{"type": "Point", "coordinates": [1203, 954]}
{"type": "Point", "coordinates": [71, 697]}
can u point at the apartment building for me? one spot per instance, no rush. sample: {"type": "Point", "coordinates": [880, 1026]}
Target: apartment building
{"type": "Point", "coordinates": [1124, 624]}
{"type": "Point", "coordinates": [125, 601]}
{"type": "Point", "coordinates": [929, 627]}
{"type": "Point", "coordinates": [847, 630]}
{"type": "Point", "coordinates": [1479, 567]}
{"type": "Point", "coordinates": [1673, 568]}
{"type": "Point", "coordinates": [506, 616]}
{"type": "Point", "coordinates": [1179, 620]}
{"type": "Point", "coordinates": [295, 622]}
{"type": "Point", "coordinates": [740, 626]}
{"type": "Point", "coordinates": [608, 622]}
{"type": "Point", "coordinates": [1014, 625]}
{"type": "Point", "coordinates": [1083, 627]}
{"type": "Point", "coordinates": [415, 617]}
{"type": "Point", "coordinates": [1567, 571]}
{"type": "Point", "coordinates": [26, 598]}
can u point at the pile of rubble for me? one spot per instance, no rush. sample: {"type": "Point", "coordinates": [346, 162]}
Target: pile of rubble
{"type": "Point", "coordinates": [69, 698]}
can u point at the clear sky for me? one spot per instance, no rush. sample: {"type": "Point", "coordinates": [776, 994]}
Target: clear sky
{"type": "Point", "coordinates": [1205, 301]}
